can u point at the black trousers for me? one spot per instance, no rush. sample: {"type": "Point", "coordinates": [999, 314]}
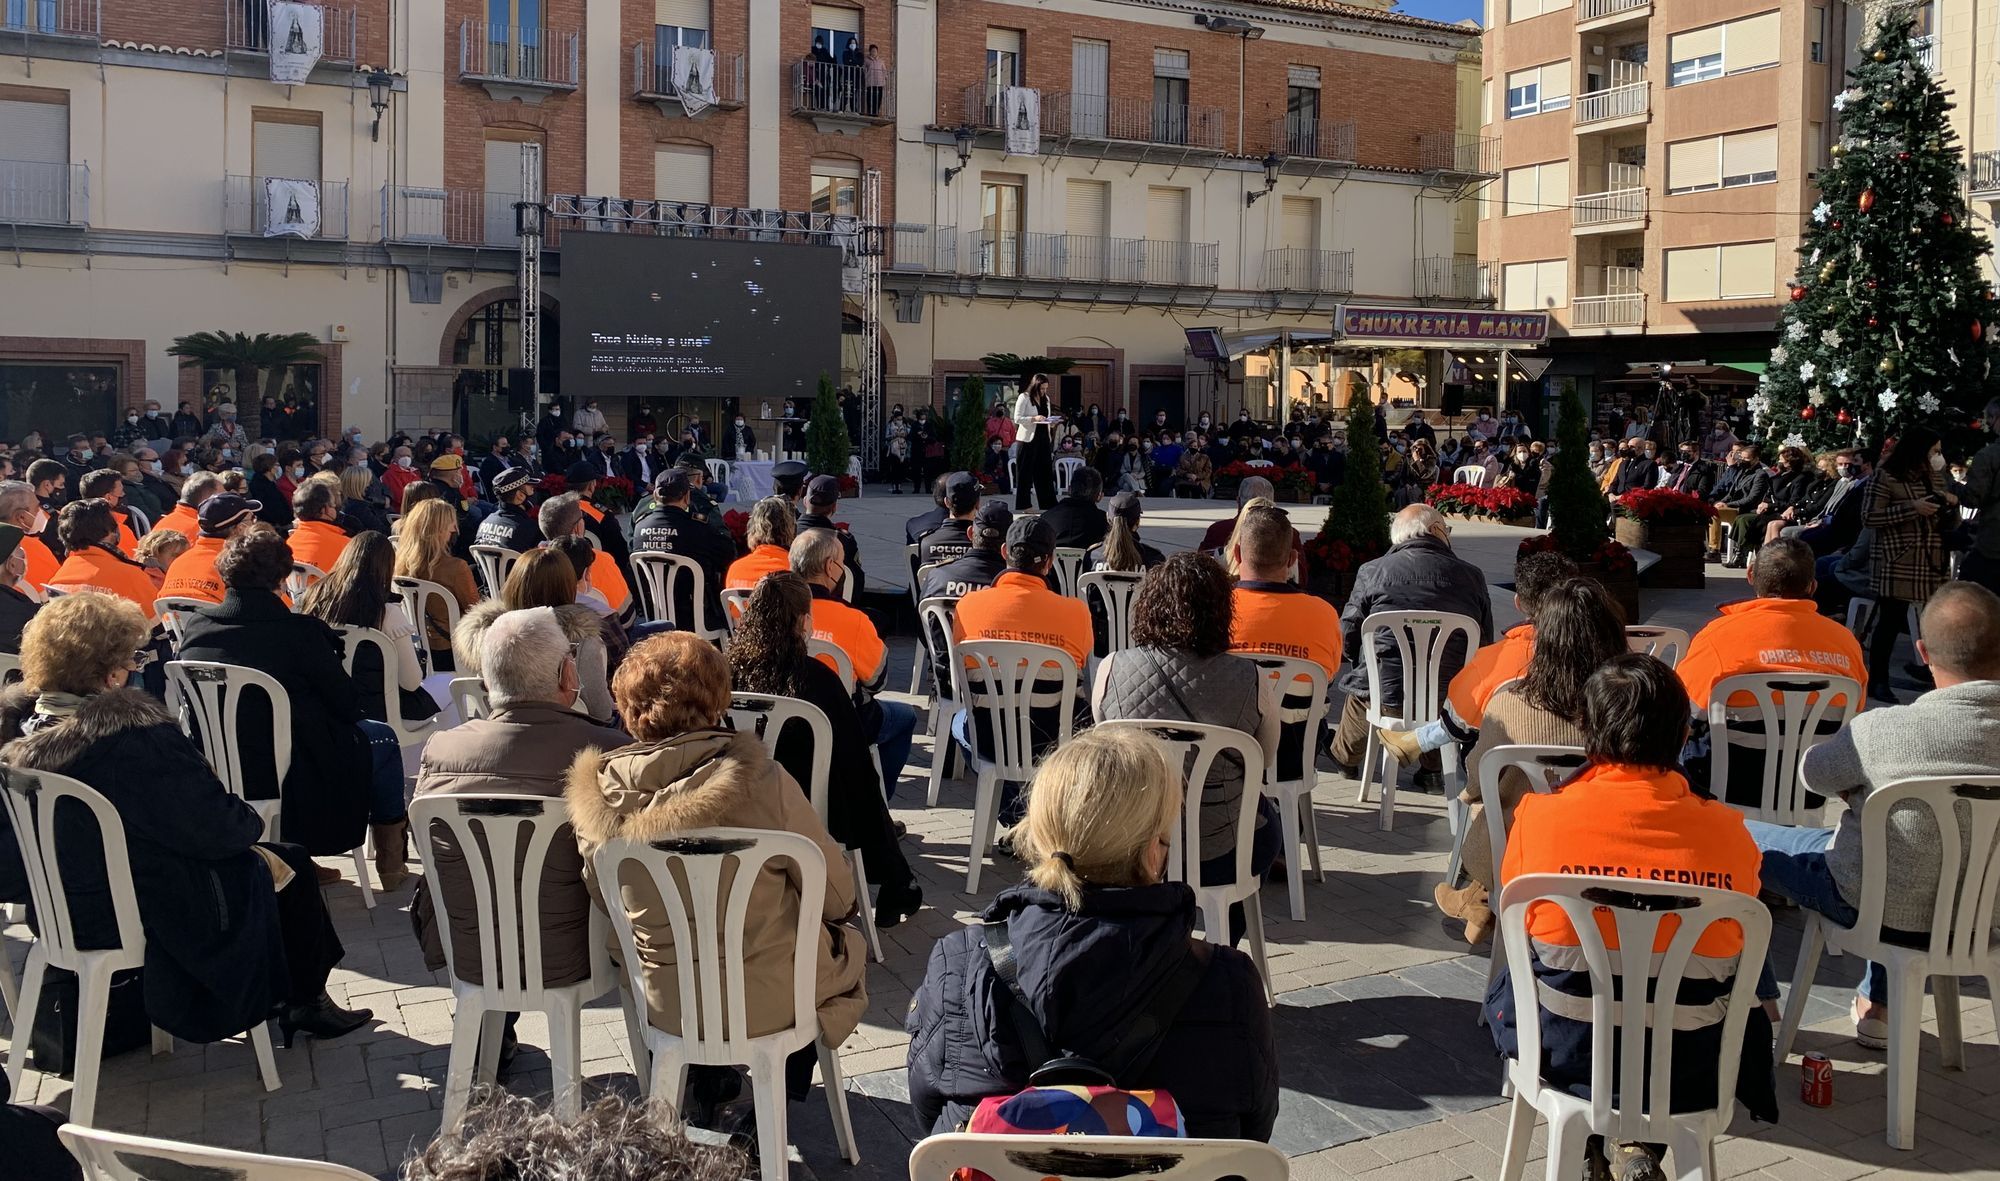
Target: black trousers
{"type": "Point", "coordinates": [1035, 472]}
{"type": "Point", "coordinates": [312, 946]}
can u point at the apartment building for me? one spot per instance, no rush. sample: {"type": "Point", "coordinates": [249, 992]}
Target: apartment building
{"type": "Point", "coordinates": [1239, 165]}
{"type": "Point", "coordinates": [1655, 169]}
{"type": "Point", "coordinates": [1963, 52]}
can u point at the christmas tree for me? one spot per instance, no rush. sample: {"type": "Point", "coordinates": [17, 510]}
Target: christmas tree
{"type": "Point", "coordinates": [1358, 508]}
{"type": "Point", "coordinates": [1886, 325]}
{"type": "Point", "coordinates": [827, 445]}
{"type": "Point", "coordinates": [968, 426]}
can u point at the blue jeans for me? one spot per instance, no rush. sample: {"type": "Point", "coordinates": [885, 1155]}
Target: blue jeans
{"type": "Point", "coordinates": [1795, 866]}
{"type": "Point", "coordinates": [385, 782]}
{"type": "Point", "coordinates": [899, 722]}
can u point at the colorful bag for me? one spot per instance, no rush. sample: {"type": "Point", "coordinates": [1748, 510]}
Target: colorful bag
{"type": "Point", "coordinates": [1071, 1110]}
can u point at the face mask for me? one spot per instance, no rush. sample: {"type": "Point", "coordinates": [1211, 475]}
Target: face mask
{"type": "Point", "coordinates": [157, 467]}
{"type": "Point", "coordinates": [152, 414]}
{"type": "Point", "coordinates": [739, 422]}
{"type": "Point", "coordinates": [1937, 462]}
{"type": "Point", "coordinates": [85, 453]}
{"type": "Point", "coordinates": [187, 469]}
{"type": "Point", "coordinates": [1845, 470]}
{"type": "Point", "coordinates": [298, 471]}
{"type": "Point", "coordinates": [41, 522]}
{"type": "Point", "coordinates": [131, 420]}
{"type": "Point", "coordinates": [405, 462]}
{"type": "Point", "coordinates": [532, 452]}
{"type": "Point", "coordinates": [555, 412]}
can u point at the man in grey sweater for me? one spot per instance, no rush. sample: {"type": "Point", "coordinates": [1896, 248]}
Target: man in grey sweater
{"type": "Point", "coordinates": [1952, 730]}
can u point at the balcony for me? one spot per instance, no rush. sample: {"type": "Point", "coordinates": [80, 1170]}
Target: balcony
{"type": "Point", "coordinates": [1455, 279]}
{"type": "Point", "coordinates": [653, 81]}
{"type": "Point", "coordinates": [510, 61]}
{"type": "Point", "coordinates": [1085, 258]}
{"type": "Point", "coordinates": [81, 19]}
{"type": "Point", "coordinates": [247, 29]}
{"type": "Point", "coordinates": [980, 108]}
{"type": "Point", "coordinates": [243, 209]}
{"type": "Point", "coordinates": [1626, 310]}
{"type": "Point", "coordinates": [38, 194]}
{"type": "Point", "coordinates": [1610, 211]}
{"type": "Point", "coordinates": [1984, 176]}
{"type": "Point", "coordinates": [1457, 152]}
{"type": "Point", "coordinates": [1133, 121]}
{"type": "Point", "coordinates": [1292, 268]}
{"type": "Point", "coordinates": [1604, 14]}
{"type": "Point", "coordinates": [1314, 139]}
{"type": "Point", "coordinates": [448, 217]}
{"type": "Point", "coordinates": [1618, 106]}
{"type": "Point", "coordinates": [923, 250]}
{"type": "Point", "coordinates": [839, 100]}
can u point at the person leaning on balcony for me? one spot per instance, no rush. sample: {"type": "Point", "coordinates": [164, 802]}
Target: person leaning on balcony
{"type": "Point", "coordinates": [876, 76]}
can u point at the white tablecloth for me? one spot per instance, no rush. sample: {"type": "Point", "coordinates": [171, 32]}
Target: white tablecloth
{"type": "Point", "coordinates": [750, 480]}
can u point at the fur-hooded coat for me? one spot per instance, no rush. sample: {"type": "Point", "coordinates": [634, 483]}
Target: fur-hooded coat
{"type": "Point", "coordinates": [214, 960]}
{"type": "Point", "coordinates": [714, 779]}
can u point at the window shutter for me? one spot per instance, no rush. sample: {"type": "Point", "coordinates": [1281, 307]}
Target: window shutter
{"type": "Point", "coordinates": [1695, 43]}
{"type": "Point", "coordinates": [1691, 274]}
{"type": "Point", "coordinates": [1555, 81]}
{"type": "Point", "coordinates": [836, 166]}
{"type": "Point", "coordinates": [1088, 209]}
{"type": "Point", "coordinates": [1750, 42]}
{"type": "Point", "coordinates": [681, 173]}
{"type": "Point", "coordinates": [1170, 63]}
{"type": "Point", "coordinates": [1552, 188]}
{"type": "Point", "coordinates": [685, 14]}
{"type": "Point", "coordinates": [1298, 223]}
{"type": "Point", "coordinates": [1306, 76]}
{"type": "Point", "coordinates": [840, 20]}
{"type": "Point", "coordinates": [1520, 191]}
{"type": "Point", "coordinates": [1517, 287]}
{"type": "Point", "coordinates": [1692, 164]}
{"type": "Point", "coordinates": [289, 151]}
{"type": "Point", "coordinates": [1552, 283]}
{"type": "Point", "coordinates": [1004, 40]}
{"type": "Point", "coordinates": [1167, 214]}
{"type": "Point", "coordinates": [503, 166]}
{"type": "Point", "coordinates": [1746, 269]}
{"type": "Point", "coordinates": [37, 133]}
{"type": "Point", "coordinates": [1748, 153]}
{"type": "Point", "coordinates": [1520, 10]}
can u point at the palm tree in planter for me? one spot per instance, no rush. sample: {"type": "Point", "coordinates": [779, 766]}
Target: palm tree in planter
{"type": "Point", "coordinates": [268, 354]}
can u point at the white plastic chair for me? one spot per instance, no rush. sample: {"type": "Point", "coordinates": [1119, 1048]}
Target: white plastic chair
{"type": "Point", "coordinates": [718, 473]}
{"type": "Point", "coordinates": [10, 667]}
{"type": "Point", "coordinates": [937, 649]}
{"type": "Point", "coordinates": [416, 594]}
{"type": "Point", "coordinates": [1069, 565]}
{"type": "Point", "coordinates": [211, 697]}
{"type": "Point", "coordinates": [1961, 930]}
{"type": "Point", "coordinates": [495, 563]}
{"type": "Point", "coordinates": [468, 697]}
{"type": "Point", "coordinates": [1094, 1158]}
{"type": "Point", "coordinates": [1066, 469]}
{"type": "Point", "coordinates": [1620, 985]}
{"type": "Point", "coordinates": [300, 580]}
{"type": "Point", "coordinates": [1422, 639]}
{"type": "Point", "coordinates": [409, 731]}
{"type": "Point", "coordinates": [1545, 767]}
{"type": "Point", "coordinates": [854, 469]}
{"type": "Point", "coordinates": [503, 843]}
{"type": "Point", "coordinates": [654, 575]}
{"type": "Point", "coordinates": [1014, 476]}
{"type": "Point", "coordinates": [32, 800]}
{"type": "Point", "coordinates": [843, 664]}
{"type": "Point", "coordinates": [1862, 613]}
{"type": "Point", "coordinates": [1190, 750]}
{"type": "Point", "coordinates": [1117, 589]}
{"type": "Point", "coordinates": [688, 872]}
{"type": "Point", "coordinates": [735, 601]}
{"type": "Point", "coordinates": [1797, 711]}
{"type": "Point", "coordinates": [1471, 473]}
{"type": "Point", "coordinates": [173, 611]}
{"type": "Point", "coordinates": [1301, 687]}
{"type": "Point", "coordinates": [1000, 679]}
{"type": "Point", "coordinates": [767, 717]}
{"type": "Point", "coordinates": [1669, 644]}
{"type": "Point", "coordinates": [120, 1156]}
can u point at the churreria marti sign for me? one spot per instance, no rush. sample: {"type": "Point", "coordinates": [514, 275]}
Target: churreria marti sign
{"type": "Point", "coordinates": [1446, 327]}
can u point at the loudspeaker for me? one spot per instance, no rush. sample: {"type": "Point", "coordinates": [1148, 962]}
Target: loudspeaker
{"type": "Point", "coordinates": [1454, 400]}
{"type": "Point", "coordinates": [520, 390]}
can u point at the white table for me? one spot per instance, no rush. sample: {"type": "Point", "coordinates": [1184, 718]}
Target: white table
{"type": "Point", "coordinates": [750, 479]}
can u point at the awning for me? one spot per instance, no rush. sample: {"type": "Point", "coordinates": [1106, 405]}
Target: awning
{"type": "Point", "coordinates": [1753, 368]}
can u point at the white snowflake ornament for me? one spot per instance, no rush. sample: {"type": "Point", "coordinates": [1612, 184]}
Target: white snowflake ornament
{"type": "Point", "coordinates": [1795, 439]}
{"type": "Point", "coordinates": [1830, 338]}
{"type": "Point", "coordinates": [1845, 97]}
{"type": "Point", "coordinates": [1822, 211]}
{"type": "Point", "coordinates": [1780, 354]}
{"type": "Point", "coordinates": [1796, 330]}
{"type": "Point", "coordinates": [1817, 396]}
{"type": "Point", "coordinates": [1759, 405]}
{"type": "Point", "coordinates": [1928, 404]}
{"type": "Point", "coordinates": [1840, 376]}
{"type": "Point", "coordinates": [1806, 370]}
{"type": "Point", "coordinates": [1887, 399]}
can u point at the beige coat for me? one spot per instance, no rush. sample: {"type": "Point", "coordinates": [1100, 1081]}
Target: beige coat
{"type": "Point", "coordinates": [714, 779]}
{"type": "Point", "coordinates": [1509, 721]}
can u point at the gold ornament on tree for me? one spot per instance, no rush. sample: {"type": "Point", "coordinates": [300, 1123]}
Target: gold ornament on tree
{"type": "Point", "coordinates": [1866, 201]}
{"type": "Point", "coordinates": [1880, 55]}
{"type": "Point", "coordinates": [1887, 367]}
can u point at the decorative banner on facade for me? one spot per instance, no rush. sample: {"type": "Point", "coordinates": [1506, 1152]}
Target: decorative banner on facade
{"type": "Point", "coordinates": [1443, 327]}
{"type": "Point", "coordinates": [694, 78]}
{"type": "Point", "coordinates": [291, 207]}
{"type": "Point", "coordinates": [1023, 110]}
{"type": "Point", "coordinates": [297, 32]}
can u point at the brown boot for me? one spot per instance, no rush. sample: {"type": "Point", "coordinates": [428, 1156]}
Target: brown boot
{"type": "Point", "coordinates": [1468, 902]}
{"type": "Point", "coordinates": [1401, 743]}
{"type": "Point", "coordinates": [325, 875]}
{"type": "Point", "coordinates": [390, 839]}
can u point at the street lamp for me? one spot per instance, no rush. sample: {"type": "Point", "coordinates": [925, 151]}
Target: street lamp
{"type": "Point", "coordinates": [1272, 163]}
{"type": "Point", "coordinates": [380, 84]}
{"type": "Point", "coordinates": [1245, 33]}
{"type": "Point", "coordinates": [962, 135]}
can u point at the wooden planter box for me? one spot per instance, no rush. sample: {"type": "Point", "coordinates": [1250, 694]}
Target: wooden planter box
{"type": "Point", "coordinates": [1680, 548]}
{"type": "Point", "coordinates": [1623, 587]}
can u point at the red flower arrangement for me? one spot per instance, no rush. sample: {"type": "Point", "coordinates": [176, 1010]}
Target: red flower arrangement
{"type": "Point", "coordinates": [849, 486]}
{"type": "Point", "coordinates": [1335, 556]}
{"type": "Point", "coordinates": [1467, 500]}
{"type": "Point", "coordinates": [1243, 469]}
{"type": "Point", "coordinates": [738, 523]}
{"type": "Point", "coordinates": [1662, 506]}
{"type": "Point", "coordinates": [614, 494]}
{"type": "Point", "coordinates": [551, 487]}
{"type": "Point", "coordinates": [1609, 557]}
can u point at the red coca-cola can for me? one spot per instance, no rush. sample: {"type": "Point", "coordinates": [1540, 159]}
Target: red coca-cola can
{"type": "Point", "coordinates": [1816, 1083]}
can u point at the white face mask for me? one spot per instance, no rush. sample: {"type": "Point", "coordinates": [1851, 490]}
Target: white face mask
{"type": "Point", "coordinates": [298, 471]}
{"type": "Point", "coordinates": [131, 420]}
{"type": "Point", "coordinates": [41, 522]}
{"type": "Point", "coordinates": [405, 462]}
{"type": "Point", "coordinates": [157, 466]}
{"type": "Point", "coordinates": [739, 422]}
{"type": "Point", "coordinates": [85, 453]}
{"type": "Point", "coordinates": [187, 469]}
{"type": "Point", "coordinates": [1937, 462]}
{"type": "Point", "coordinates": [152, 412]}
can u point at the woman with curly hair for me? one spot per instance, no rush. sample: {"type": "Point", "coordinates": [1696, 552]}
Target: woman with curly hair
{"type": "Point", "coordinates": [1180, 669]}
{"type": "Point", "coordinates": [769, 655]}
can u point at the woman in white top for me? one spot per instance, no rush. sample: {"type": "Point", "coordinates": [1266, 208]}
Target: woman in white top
{"type": "Point", "coordinates": [357, 593]}
{"type": "Point", "coordinates": [1035, 465]}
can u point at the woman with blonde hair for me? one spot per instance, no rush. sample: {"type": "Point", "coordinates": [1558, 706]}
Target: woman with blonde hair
{"type": "Point", "coordinates": [157, 551]}
{"type": "Point", "coordinates": [1121, 548]}
{"type": "Point", "coordinates": [547, 578]}
{"type": "Point", "coordinates": [686, 772]}
{"type": "Point", "coordinates": [1097, 941]}
{"type": "Point", "coordinates": [423, 550]}
{"type": "Point", "coordinates": [772, 529]}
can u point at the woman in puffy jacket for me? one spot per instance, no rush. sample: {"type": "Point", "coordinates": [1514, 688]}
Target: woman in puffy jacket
{"type": "Point", "coordinates": [1094, 932]}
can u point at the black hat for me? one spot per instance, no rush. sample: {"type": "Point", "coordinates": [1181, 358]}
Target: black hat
{"type": "Point", "coordinates": [992, 521]}
{"type": "Point", "coordinates": [694, 465]}
{"type": "Point", "coordinates": [10, 540]}
{"type": "Point", "coordinates": [224, 511]}
{"type": "Point", "coordinates": [673, 483]}
{"type": "Point", "coordinates": [1128, 506]}
{"type": "Point", "coordinates": [510, 479]}
{"type": "Point", "coordinates": [581, 473]}
{"type": "Point", "coordinates": [823, 490]}
{"type": "Point", "coordinates": [788, 476]}
{"type": "Point", "coordinates": [961, 492]}
{"type": "Point", "coordinates": [1030, 539]}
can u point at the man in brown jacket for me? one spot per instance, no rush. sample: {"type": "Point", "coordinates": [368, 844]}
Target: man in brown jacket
{"type": "Point", "coordinates": [524, 748]}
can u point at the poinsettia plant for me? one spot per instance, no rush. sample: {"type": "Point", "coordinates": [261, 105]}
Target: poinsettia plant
{"type": "Point", "coordinates": [1609, 556]}
{"type": "Point", "coordinates": [550, 487]}
{"type": "Point", "coordinates": [738, 523]}
{"type": "Point", "coordinates": [1470, 500]}
{"type": "Point", "coordinates": [613, 495]}
{"type": "Point", "coordinates": [1331, 554]}
{"type": "Point", "coordinates": [1295, 484]}
{"type": "Point", "coordinates": [1663, 506]}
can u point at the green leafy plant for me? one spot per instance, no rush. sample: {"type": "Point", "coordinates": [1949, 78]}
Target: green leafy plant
{"type": "Point", "coordinates": [1022, 368]}
{"type": "Point", "coordinates": [968, 426]}
{"type": "Point", "coordinates": [827, 445]}
{"type": "Point", "coordinates": [1577, 508]}
{"type": "Point", "coordinates": [1358, 514]}
{"type": "Point", "coordinates": [266, 355]}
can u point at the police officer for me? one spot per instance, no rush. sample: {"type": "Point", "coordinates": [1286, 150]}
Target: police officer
{"type": "Point", "coordinates": [982, 564]}
{"type": "Point", "coordinates": [788, 479]}
{"type": "Point", "coordinates": [948, 542]}
{"type": "Point", "coordinates": [669, 528]}
{"type": "Point", "coordinates": [821, 498]}
{"type": "Point", "coordinates": [511, 526]}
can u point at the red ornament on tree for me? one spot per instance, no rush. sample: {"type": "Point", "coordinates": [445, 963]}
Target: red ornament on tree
{"type": "Point", "coordinates": [1978, 330]}
{"type": "Point", "coordinates": [1798, 293]}
{"type": "Point", "coordinates": [1866, 201]}
{"type": "Point", "coordinates": [1872, 284]}
{"type": "Point", "coordinates": [1902, 155]}
{"type": "Point", "coordinates": [1835, 223]}
{"type": "Point", "coordinates": [1844, 418]}
{"type": "Point", "coordinates": [1807, 412]}
{"type": "Point", "coordinates": [1872, 322]}
{"type": "Point", "coordinates": [1947, 218]}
